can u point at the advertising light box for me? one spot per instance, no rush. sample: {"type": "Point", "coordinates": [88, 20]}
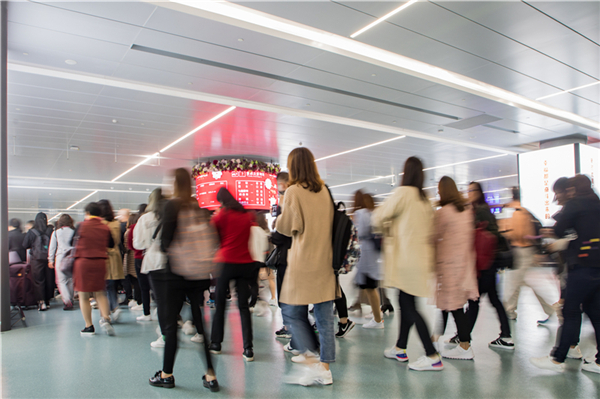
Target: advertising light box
{"type": "Point", "coordinates": [538, 170]}
{"type": "Point", "coordinates": [589, 163]}
{"type": "Point", "coordinates": [254, 190]}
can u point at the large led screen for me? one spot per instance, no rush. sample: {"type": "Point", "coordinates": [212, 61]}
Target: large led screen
{"type": "Point", "coordinates": [538, 170]}
{"type": "Point", "coordinates": [254, 190]}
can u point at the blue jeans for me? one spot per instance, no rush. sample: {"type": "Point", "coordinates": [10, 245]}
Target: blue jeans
{"type": "Point", "coordinates": [287, 323]}
{"type": "Point", "coordinates": [111, 292]}
{"type": "Point", "coordinates": [583, 292]}
{"type": "Point", "coordinates": [304, 333]}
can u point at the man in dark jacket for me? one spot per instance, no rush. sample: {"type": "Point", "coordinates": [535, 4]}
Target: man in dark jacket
{"type": "Point", "coordinates": [581, 214]}
{"type": "Point", "coordinates": [15, 239]}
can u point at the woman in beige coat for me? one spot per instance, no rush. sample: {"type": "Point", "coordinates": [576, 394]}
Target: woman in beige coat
{"type": "Point", "coordinates": [307, 217]}
{"type": "Point", "coordinates": [114, 262]}
{"type": "Point", "coordinates": [406, 218]}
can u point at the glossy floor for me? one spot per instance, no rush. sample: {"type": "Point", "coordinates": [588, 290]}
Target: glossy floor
{"type": "Point", "coordinates": [50, 359]}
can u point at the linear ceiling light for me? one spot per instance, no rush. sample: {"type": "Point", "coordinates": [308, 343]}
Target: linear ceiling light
{"type": "Point", "coordinates": [465, 162]}
{"type": "Point", "coordinates": [157, 154]}
{"type": "Point", "coordinates": [85, 181]}
{"type": "Point", "coordinates": [567, 91]}
{"type": "Point", "coordinates": [363, 181]}
{"type": "Point", "coordinates": [361, 148]}
{"type": "Point", "coordinates": [257, 21]}
{"type": "Point", "coordinates": [386, 16]}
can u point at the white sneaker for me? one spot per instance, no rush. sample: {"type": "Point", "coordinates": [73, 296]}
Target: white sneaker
{"type": "Point", "coordinates": [459, 353]}
{"type": "Point", "coordinates": [373, 324]}
{"type": "Point", "coordinates": [306, 358]}
{"type": "Point", "coordinates": [273, 302]}
{"type": "Point", "coordinates": [288, 348]}
{"type": "Point", "coordinates": [198, 338]}
{"type": "Point", "coordinates": [159, 343]}
{"type": "Point", "coordinates": [144, 318]}
{"type": "Point", "coordinates": [591, 366]}
{"type": "Point", "coordinates": [94, 304]}
{"type": "Point", "coordinates": [425, 363]}
{"type": "Point", "coordinates": [316, 374]}
{"type": "Point", "coordinates": [107, 327]}
{"type": "Point", "coordinates": [575, 353]}
{"type": "Point", "coordinates": [546, 363]}
{"type": "Point", "coordinates": [114, 316]}
{"type": "Point", "coordinates": [132, 303]}
{"type": "Point", "coordinates": [261, 309]}
{"type": "Point", "coordinates": [398, 354]}
{"type": "Point", "coordinates": [137, 308]}
{"type": "Point", "coordinates": [188, 328]}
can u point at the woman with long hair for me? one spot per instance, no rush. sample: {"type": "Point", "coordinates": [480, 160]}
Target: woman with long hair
{"type": "Point", "coordinates": [114, 263]}
{"type": "Point", "coordinates": [94, 238]}
{"type": "Point", "coordinates": [60, 245]}
{"type": "Point", "coordinates": [38, 239]}
{"type": "Point", "coordinates": [486, 280]}
{"type": "Point", "coordinates": [368, 272]}
{"type": "Point", "coordinates": [172, 288]}
{"type": "Point", "coordinates": [233, 225]}
{"type": "Point", "coordinates": [454, 234]}
{"type": "Point", "coordinates": [307, 217]}
{"type": "Point", "coordinates": [406, 218]}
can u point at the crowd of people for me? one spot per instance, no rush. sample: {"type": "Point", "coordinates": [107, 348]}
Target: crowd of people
{"type": "Point", "coordinates": [171, 252]}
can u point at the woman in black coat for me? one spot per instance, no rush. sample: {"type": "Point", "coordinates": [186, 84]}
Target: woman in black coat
{"type": "Point", "coordinates": [38, 239]}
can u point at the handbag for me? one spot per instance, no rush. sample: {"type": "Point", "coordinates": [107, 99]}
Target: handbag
{"type": "Point", "coordinates": [273, 259]}
{"type": "Point", "coordinates": [154, 258]}
{"type": "Point", "coordinates": [66, 265]}
{"type": "Point", "coordinates": [485, 247]}
{"type": "Point", "coordinates": [504, 254]}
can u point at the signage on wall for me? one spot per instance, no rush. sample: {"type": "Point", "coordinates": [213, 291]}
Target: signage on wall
{"type": "Point", "coordinates": [254, 190]}
{"type": "Point", "coordinates": [538, 170]}
{"type": "Point", "coordinates": [589, 163]}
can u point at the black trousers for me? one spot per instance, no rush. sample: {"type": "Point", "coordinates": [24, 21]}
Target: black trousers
{"type": "Point", "coordinates": [583, 292]}
{"type": "Point", "coordinates": [132, 288]}
{"type": "Point", "coordinates": [169, 307]}
{"type": "Point", "coordinates": [144, 282]}
{"type": "Point", "coordinates": [280, 275]}
{"type": "Point", "coordinates": [463, 324]}
{"type": "Point", "coordinates": [254, 288]}
{"type": "Point", "coordinates": [408, 317]}
{"type": "Point", "coordinates": [43, 280]}
{"type": "Point", "coordinates": [487, 284]}
{"type": "Point", "coordinates": [341, 304]}
{"type": "Point", "coordinates": [242, 274]}
{"type": "Point", "coordinates": [160, 292]}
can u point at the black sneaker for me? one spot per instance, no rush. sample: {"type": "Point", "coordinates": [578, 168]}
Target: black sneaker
{"type": "Point", "coordinates": [344, 329]}
{"type": "Point", "coordinates": [248, 355]}
{"type": "Point", "coordinates": [387, 308]}
{"type": "Point", "coordinates": [454, 340]}
{"type": "Point", "coordinates": [503, 343]}
{"type": "Point", "coordinates": [215, 348]}
{"type": "Point", "coordinates": [158, 381]}
{"type": "Point", "coordinates": [283, 333]}
{"type": "Point", "coordinates": [88, 330]}
{"type": "Point", "coordinates": [212, 385]}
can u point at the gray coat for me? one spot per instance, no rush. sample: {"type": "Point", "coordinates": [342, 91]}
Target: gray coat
{"type": "Point", "coordinates": [368, 263]}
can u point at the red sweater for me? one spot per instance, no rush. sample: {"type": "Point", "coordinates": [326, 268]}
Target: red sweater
{"type": "Point", "coordinates": [234, 231]}
{"type": "Point", "coordinates": [137, 254]}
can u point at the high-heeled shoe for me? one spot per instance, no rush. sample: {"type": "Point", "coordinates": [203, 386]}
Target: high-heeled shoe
{"type": "Point", "coordinates": [212, 385]}
{"type": "Point", "coordinates": [387, 307]}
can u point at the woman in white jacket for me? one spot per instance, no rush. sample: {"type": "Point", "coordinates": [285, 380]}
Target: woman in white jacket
{"type": "Point", "coordinates": [406, 218]}
{"type": "Point", "coordinates": [146, 236]}
{"type": "Point", "coordinates": [60, 245]}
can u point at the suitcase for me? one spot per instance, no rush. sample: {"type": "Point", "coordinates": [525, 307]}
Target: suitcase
{"type": "Point", "coordinates": [22, 291]}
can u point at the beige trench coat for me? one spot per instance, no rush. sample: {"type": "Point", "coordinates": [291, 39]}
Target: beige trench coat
{"type": "Point", "coordinates": [408, 254]}
{"type": "Point", "coordinates": [114, 262]}
{"type": "Point", "coordinates": [307, 217]}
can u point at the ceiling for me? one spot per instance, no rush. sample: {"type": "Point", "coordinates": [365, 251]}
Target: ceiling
{"type": "Point", "coordinates": [145, 75]}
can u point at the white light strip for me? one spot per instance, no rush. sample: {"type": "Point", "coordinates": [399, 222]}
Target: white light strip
{"type": "Point", "coordinates": [362, 148]}
{"type": "Point", "coordinates": [257, 21]}
{"type": "Point", "coordinates": [156, 154]}
{"type": "Point", "coordinates": [363, 181]}
{"type": "Point", "coordinates": [53, 217]}
{"type": "Point", "coordinates": [81, 200]}
{"type": "Point", "coordinates": [79, 189]}
{"type": "Point", "coordinates": [86, 181]}
{"type": "Point", "coordinates": [496, 178]}
{"type": "Point", "coordinates": [380, 20]}
{"type": "Point", "coordinates": [567, 91]}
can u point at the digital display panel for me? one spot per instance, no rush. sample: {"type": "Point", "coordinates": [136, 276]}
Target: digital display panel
{"type": "Point", "coordinates": [254, 190]}
{"type": "Point", "coordinates": [538, 170]}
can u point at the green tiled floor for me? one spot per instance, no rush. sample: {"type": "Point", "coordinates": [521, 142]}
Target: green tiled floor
{"type": "Point", "coordinates": [49, 359]}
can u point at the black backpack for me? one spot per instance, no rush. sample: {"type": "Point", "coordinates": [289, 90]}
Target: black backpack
{"type": "Point", "coordinates": [39, 249]}
{"type": "Point", "coordinates": [341, 233]}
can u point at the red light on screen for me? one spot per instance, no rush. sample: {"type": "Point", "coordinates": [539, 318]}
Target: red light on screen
{"type": "Point", "coordinates": [254, 190]}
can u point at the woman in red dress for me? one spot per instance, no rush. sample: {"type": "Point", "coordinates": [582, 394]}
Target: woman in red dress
{"type": "Point", "coordinates": [89, 270]}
